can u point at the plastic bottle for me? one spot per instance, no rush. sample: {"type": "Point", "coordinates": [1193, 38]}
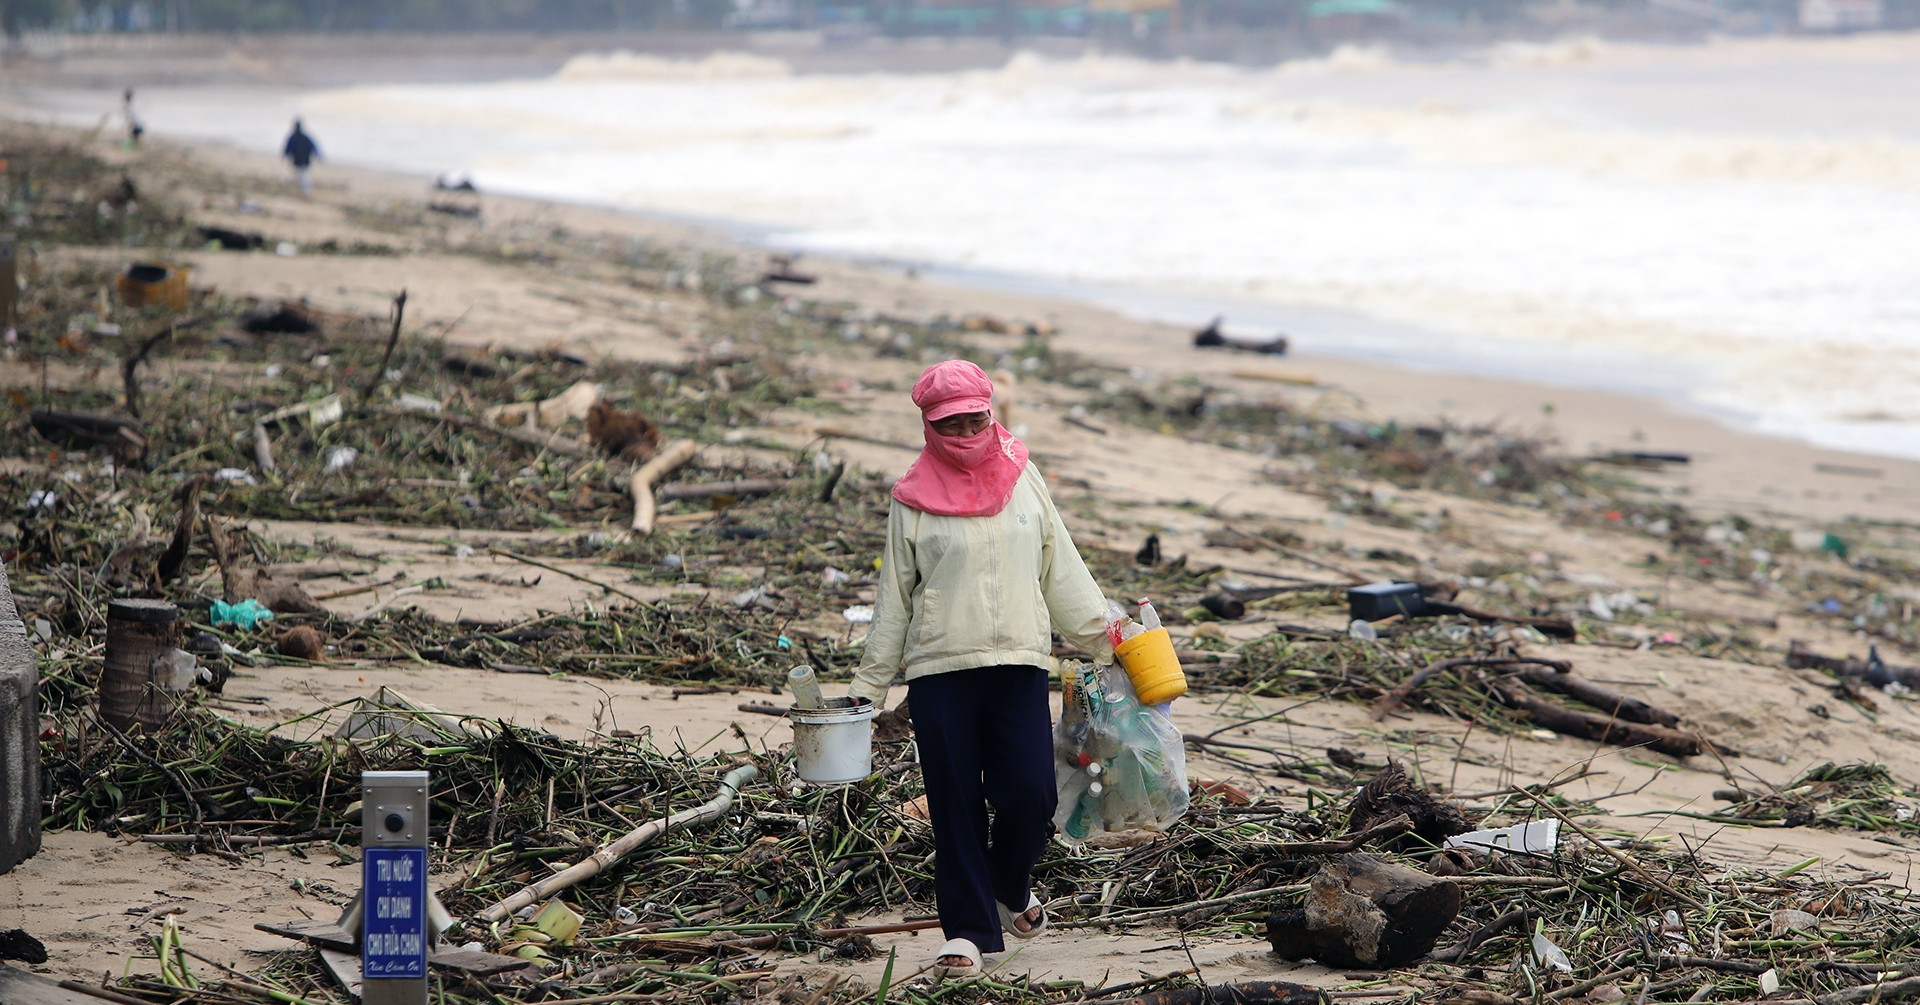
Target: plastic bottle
{"type": "Point", "coordinates": [1086, 810]}
{"type": "Point", "coordinates": [1149, 618]}
{"type": "Point", "coordinates": [805, 687]}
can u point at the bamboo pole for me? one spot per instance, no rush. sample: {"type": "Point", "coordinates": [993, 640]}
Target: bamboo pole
{"type": "Point", "coordinates": [600, 860]}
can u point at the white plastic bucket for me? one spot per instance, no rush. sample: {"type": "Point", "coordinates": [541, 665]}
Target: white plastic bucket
{"type": "Point", "coordinates": [833, 745]}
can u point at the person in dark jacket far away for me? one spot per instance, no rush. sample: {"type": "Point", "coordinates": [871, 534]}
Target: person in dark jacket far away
{"type": "Point", "coordinates": [302, 152]}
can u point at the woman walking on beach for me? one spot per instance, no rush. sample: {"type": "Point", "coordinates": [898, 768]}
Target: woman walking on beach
{"type": "Point", "coordinates": [978, 570]}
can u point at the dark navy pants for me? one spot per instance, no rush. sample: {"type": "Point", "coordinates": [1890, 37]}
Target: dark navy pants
{"type": "Point", "coordinates": [985, 737]}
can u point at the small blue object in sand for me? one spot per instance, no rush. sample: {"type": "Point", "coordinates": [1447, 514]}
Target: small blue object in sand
{"type": "Point", "coordinates": [243, 615]}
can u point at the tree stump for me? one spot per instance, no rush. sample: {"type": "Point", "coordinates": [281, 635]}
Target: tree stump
{"type": "Point", "coordinates": [139, 632]}
{"type": "Point", "coordinates": [1363, 911]}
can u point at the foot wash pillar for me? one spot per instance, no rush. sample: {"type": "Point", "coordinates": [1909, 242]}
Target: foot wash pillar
{"type": "Point", "coordinates": [19, 736]}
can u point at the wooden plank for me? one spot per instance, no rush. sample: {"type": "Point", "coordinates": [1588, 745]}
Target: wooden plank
{"type": "Point", "coordinates": [320, 932]}
{"type": "Point", "coordinates": [330, 937]}
{"type": "Point", "coordinates": [18, 987]}
{"type": "Point", "coordinates": [475, 962]}
{"type": "Point", "coordinates": [345, 968]}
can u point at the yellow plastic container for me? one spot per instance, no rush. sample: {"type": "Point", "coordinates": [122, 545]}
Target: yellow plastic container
{"type": "Point", "coordinates": [1152, 666]}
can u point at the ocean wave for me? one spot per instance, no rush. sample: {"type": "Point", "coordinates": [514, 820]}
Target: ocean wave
{"type": "Point", "coordinates": [625, 65]}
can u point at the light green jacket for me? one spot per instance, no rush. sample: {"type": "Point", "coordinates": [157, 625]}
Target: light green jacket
{"type": "Point", "coordinates": [963, 592]}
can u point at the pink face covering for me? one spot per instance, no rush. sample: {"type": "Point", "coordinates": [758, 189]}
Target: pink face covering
{"type": "Point", "coordinates": [960, 475]}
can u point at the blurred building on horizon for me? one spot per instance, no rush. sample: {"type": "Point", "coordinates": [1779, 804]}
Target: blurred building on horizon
{"type": "Point", "coordinates": [1296, 25]}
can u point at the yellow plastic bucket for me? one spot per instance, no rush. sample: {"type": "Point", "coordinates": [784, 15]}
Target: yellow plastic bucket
{"type": "Point", "coordinates": [1152, 666]}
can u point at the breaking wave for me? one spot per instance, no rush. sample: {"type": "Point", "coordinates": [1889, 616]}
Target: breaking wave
{"type": "Point", "coordinates": [624, 65]}
{"type": "Point", "coordinates": [1525, 202]}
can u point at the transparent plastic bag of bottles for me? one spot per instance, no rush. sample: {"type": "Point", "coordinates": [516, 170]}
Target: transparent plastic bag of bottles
{"type": "Point", "coordinates": [1119, 765]}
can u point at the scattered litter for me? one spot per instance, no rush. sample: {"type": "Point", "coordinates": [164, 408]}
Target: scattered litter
{"type": "Point", "coordinates": [387, 712]}
{"type": "Point", "coordinates": [1790, 920]}
{"type": "Point", "coordinates": [1550, 956]}
{"type": "Point", "coordinates": [859, 614]}
{"type": "Point", "coordinates": [277, 317]}
{"type": "Point", "coordinates": [341, 458]}
{"type": "Point", "coordinates": [1535, 837]}
{"type": "Point", "coordinates": [243, 615]}
{"type": "Point", "coordinates": [236, 475]}
{"type": "Point", "coordinates": [223, 239]}
{"type": "Point", "coordinates": [748, 598]}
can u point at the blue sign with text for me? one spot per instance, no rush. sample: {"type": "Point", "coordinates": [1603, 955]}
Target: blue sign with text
{"type": "Point", "coordinates": [395, 906]}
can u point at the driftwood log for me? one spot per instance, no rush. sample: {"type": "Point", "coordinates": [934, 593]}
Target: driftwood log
{"type": "Point", "coordinates": [1801, 658]}
{"type": "Point", "coordinates": [1386, 703]}
{"type": "Point", "coordinates": [81, 431]}
{"type": "Point", "coordinates": [1364, 911]}
{"type": "Point", "coordinates": [1593, 726]}
{"type": "Point", "coordinates": [618, 849]}
{"type": "Point", "coordinates": [1620, 706]}
{"type": "Point", "coordinates": [670, 456]}
{"type": "Point", "coordinates": [1243, 993]}
{"type": "Point", "coordinates": [738, 487]}
{"type": "Point", "coordinates": [1628, 722]}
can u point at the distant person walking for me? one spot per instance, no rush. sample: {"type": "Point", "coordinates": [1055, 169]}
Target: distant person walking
{"type": "Point", "coordinates": [134, 126]}
{"type": "Point", "coordinates": [302, 152]}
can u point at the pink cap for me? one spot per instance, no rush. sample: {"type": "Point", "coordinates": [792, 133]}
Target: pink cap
{"type": "Point", "coordinates": [955, 387]}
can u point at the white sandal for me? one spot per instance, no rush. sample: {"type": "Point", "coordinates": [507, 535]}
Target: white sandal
{"type": "Point", "coordinates": [963, 948]}
{"type": "Point", "coordinates": [1007, 918]}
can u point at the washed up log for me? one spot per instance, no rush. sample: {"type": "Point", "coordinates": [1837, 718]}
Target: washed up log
{"type": "Point", "coordinates": [1518, 918]}
{"type": "Point", "coordinates": [1363, 911]}
{"type": "Point", "coordinates": [1243, 993]}
{"type": "Point", "coordinates": [277, 317]}
{"type": "Point", "coordinates": [231, 240]}
{"type": "Point", "coordinates": [671, 456]}
{"type": "Point", "coordinates": [572, 403]}
{"type": "Point", "coordinates": [83, 431]}
{"type": "Point", "coordinates": [738, 487]}
{"type": "Point", "coordinates": [1618, 705]}
{"type": "Point", "coordinates": [1876, 672]}
{"type": "Point", "coordinates": [607, 855]}
{"type": "Point", "coordinates": [1599, 728]}
{"type": "Point", "coordinates": [1652, 460]}
{"type": "Point", "coordinates": [1386, 703]}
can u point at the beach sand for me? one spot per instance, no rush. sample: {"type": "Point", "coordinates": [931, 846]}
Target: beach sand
{"type": "Point", "coordinates": [1115, 487]}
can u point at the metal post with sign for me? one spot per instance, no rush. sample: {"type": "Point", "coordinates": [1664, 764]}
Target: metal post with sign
{"type": "Point", "coordinates": [393, 932]}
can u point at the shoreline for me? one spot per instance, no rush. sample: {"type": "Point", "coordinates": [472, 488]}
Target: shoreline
{"type": "Point", "coordinates": [1733, 470]}
{"type": "Point", "coordinates": [1821, 386]}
